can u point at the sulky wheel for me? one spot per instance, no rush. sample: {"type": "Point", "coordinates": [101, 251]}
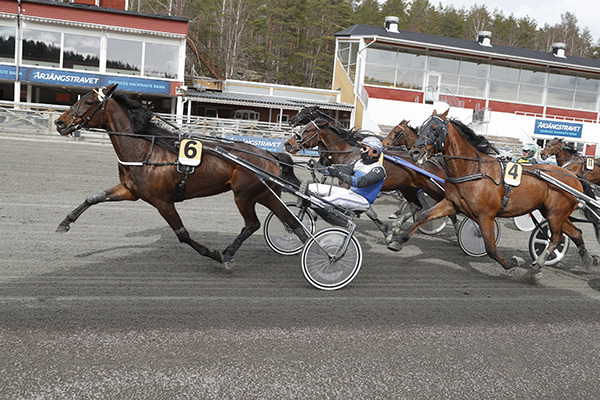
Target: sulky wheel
{"type": "Point", "coordinates": [538, 241]}
{"type": "Point", "coordinates": [470, 238]}
{"type": "Point", "coordinates": [323, 272]}
{"type": "Point", "coordinates": [525, 222]}
{"type": "Point", "coordinates": [431, 227]}
{"type": "Point", "coordinates": [280, 237]}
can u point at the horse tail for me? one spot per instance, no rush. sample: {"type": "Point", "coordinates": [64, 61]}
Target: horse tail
{"type": "Point", "coordinates": [589, 215]}
{"type": "Point", "coordinates": [286, 164]}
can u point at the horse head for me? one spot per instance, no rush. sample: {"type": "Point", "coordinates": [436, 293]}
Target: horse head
{"type": "Point", "coordinates": [552, 148]}
{"type": "Point", "coordinates": [307, 138]}
{"type": "Point", "coordinates": [304, 116]}
{"type": "Point", "coordinates": [401, 135]}
{"type": "Point", "coordinates": [84, 113]}
{"type": "Point", "coordinates": [432, 138]}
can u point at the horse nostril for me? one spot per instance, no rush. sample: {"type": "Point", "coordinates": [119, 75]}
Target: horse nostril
{"type": "Point", "coordinates": [59, 123]}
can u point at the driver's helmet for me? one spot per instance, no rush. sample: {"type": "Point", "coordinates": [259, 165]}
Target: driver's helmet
{"type": "Point", "coordinates": [531, 148]}
{"type": "Point", "coordinates": [373, 143]}
{"type": "Point", "coordinates": [505, 153]}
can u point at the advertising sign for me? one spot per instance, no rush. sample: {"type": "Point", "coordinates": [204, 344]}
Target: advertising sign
{"type": "Point", "coordinates": [558, 128]}
{"type": "Point", "coordinates": [269, 144]}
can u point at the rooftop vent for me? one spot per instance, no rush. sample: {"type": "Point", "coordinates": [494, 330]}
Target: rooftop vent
{"type": "Point", "coordinates": [391, 24]}
{"type": "Point", "coordinates": [558, 49]}
{"type": "Point", "coordinates": [484, 38]}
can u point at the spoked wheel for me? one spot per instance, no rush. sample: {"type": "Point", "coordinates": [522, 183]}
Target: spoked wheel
{"type": "Point", "coordinates": [538, 241]}
{"type": "Point", "coordinates": [323, 272]}
{"type": "Point", "coordinates": [280, 237]}
{"type": "Point", "coordinates": [470, 238]}
{"type": "Point", "coordinates": [431, 227]}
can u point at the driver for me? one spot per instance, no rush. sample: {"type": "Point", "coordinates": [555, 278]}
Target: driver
{"type": "Point", "coordinates": [365, 178]}
{"type": "Point", "coordinates": [528, 157]}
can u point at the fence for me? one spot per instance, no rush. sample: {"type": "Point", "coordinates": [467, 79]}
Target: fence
{"type": "Point", "coordinates": [38, 119]}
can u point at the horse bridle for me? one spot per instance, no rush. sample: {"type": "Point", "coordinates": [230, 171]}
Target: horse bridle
{"type": "Point", "coordinates": [103, 98]}
{"type": "Point", "coordinates": [440, 132]}
{"type": "Point", "coordinates": [398, 135]}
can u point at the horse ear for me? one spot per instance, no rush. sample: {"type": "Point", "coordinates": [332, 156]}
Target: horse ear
{"type": "Point", "coordinates": [434, 113]}
{"type": "Point", "coordinates": [111, 89]}
{"type": "Point", "coordinates": [444, 115]}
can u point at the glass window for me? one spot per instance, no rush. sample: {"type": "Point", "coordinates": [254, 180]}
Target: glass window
{"type": "Point", "coordinates": [124, 56]}
{"type": "Point", "coordinates": [382, 56]}
{"type": "Point", "coordinates": [380, 74]}
{"type": "Point", "coordinates": [585, 100]}
{"type": "Point", "coordinates": [409, 78]}
{"type": "Point", "coordinates": [474, 68]}
{"type": "Point", "coordinates": [347, 55]}
{"type": "Point", "coordinates": [561, 81]}
{"type": "Point", "coordinates": [533, 77]}
{"type": "Point", "coordinates": [343, 53]}
{"type": "Point", "coordinates": [81, 52]}
{"type": "Point", "coordinates": [560, 97]}
{"type": "Point", "coordinates": [503, 73]}
{"type": "Point", "coordinates": [531, 94]}
{"type": "Point", "coordinates": [447, 65]}
{"type": "Point", "coordinates": [469, 86]}
{"type": "Point", "coordinates": [412, 61]}
{"type": "Point", "coordinates": [41, 47]}
{"type": "Point", "coordinates": [161, 60]}
{"type": "Point", "coordinates": [502, 90]}
{"type": "Point", "coordinates": [7, 43]}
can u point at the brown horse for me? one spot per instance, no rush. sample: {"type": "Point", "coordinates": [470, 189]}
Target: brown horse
{"type": "Point", "coordinates": [340, 146]}
{"type": "Point", "coordinates": [568, 157]}
{"type": "Point", "coordinates": [475, 186]}
{"type": "Point", "coordinates": [402, 135]}
{"type": "Point", "coordinates": [148, 168]}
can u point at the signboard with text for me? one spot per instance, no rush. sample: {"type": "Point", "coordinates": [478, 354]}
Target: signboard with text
{"type": "Point", "coordinates": [558, 128]}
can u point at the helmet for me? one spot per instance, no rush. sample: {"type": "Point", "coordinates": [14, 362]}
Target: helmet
{"type": "Point", "coordinates": [530, 147]}
{"type": "Point", "coordinates": [505, 152]}
{"type": "Point", "coordinates": [373, 143]}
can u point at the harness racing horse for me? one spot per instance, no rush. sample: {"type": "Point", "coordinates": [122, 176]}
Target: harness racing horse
{"type": "Point", "coordinates": [148, 169]}
{"type": "Point", "coordinates": [401, 136]}
{"type": "Point", "coordinates": [341, 146]}
{"type": "Point", "coordinates": [568, 157]}
{"type": "Point", "coordinates": [475, 187]}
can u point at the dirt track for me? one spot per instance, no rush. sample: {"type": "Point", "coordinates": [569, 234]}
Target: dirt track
{"type": "Point", "coordinates": [118, 308]}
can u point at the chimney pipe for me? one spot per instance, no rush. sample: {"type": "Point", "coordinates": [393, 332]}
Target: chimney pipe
{"type": "Point", "coordinates": [558, 49]}
{"type": "Point", "coordinates": [484, 38]}
{"type": "Point", "coordinates": [391, 24]}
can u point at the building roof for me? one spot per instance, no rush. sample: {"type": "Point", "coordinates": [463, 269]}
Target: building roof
{"type": "Point", "coordinates": [496, 51]}
{"type": "Point", "coordinates": [257, 100]}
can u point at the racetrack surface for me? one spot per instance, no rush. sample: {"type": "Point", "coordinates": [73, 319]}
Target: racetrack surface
{"type": "Point", "coordinates": [117, 308]}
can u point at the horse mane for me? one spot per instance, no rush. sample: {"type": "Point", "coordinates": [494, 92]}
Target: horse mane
{"type": "Point", "coordinates": [570, 148]}
{"type": "Point", "coordinates": [141, 123]}
{"type": "Point", "coordinates": [350, 136]}
{"type": "Point", "coordinates": [478, 141]}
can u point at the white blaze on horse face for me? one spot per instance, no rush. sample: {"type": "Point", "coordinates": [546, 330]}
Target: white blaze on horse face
{"type": "Point", "coordinates": [101, 95]}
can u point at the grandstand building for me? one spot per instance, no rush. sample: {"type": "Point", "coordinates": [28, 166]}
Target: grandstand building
{"type": "Point", "coordinates": [501, 91]}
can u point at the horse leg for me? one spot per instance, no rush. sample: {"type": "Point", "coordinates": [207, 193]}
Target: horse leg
{"type": "Point", "coordinates": [373, 216]}
{"type": "Point", "coordinates": [442, 209]}
{"type": "Point", "coordinates": [576, 236]}
{"type": "Point", "coordinates": [170, 214]}
{"type": "Point", "coordinates": [116, 193]}
{"type": "Point", "coordinates": [251, 225]}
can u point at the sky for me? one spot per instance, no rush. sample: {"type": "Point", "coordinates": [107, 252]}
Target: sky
{"type": "Point", "coordinates": [543, 12]}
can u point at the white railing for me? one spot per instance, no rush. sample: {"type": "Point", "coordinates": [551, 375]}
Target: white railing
{"type": "Point", "coordinates": [38, 119]}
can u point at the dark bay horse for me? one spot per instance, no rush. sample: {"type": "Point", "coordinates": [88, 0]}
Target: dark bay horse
{"type": "Point", "coordinates": [148, 168]}
{"type": "Point", "coordinates": [340, 146]}
{"type": "Point", "coordinates": [475, 186]}
{"type": "Point", "coordinates": [568, 157]}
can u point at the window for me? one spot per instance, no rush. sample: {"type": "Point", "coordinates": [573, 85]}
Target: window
{"type": "Point", "coordinates": [7, 44]}
{"type": "Point", "coordinates": [531, 86]}
{"type": "Point", "coordinates": [41, 47]}
{"type": "Point", "coordinates": [346, 54]}
{"type": "Point", "coordinates": [124, 56]}
{"type": "Point", "coordinates": [211, 112]}
{"type": "Point", "coordinates": [161, 60]}
{"type": "Point", "coordinates": [81, 52]}
{"type": "Point", "coordinates": [504, 82]}
{"type": "Point", "coordinates": [473, 78]}
{"type": "Point", "coordinates": [561, 90]}
{"type": "Point", "coordinates": [281, 118]}
{"type": "Point", "coordinates": [411, 69]}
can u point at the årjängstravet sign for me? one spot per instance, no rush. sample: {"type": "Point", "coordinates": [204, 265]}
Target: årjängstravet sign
{"type": "Point", "coordinates": [558, 128]}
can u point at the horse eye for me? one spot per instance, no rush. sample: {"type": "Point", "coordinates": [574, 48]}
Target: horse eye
{"type": "Point", "coordinates": [89, 102]}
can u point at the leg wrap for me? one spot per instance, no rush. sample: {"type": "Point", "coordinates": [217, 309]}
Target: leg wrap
{"type": "Point", "coordinates": [182, 234]}
{"type": "Point", "coordinates": [96, 198]}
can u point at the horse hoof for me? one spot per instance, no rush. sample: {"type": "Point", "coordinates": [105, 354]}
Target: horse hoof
{"type": "Point", "coordinates": [394, 246]}
{"type": "Point", "coordinates": [393, 216]}
{"type": "Point", "coordinates": [63, 228]}
{"type": "Point", "coordinates": [596, 260]}
{"type": "Point", "coordinates": [536, 277]}
{"type": "Point", "coordinates": [228, 266]}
